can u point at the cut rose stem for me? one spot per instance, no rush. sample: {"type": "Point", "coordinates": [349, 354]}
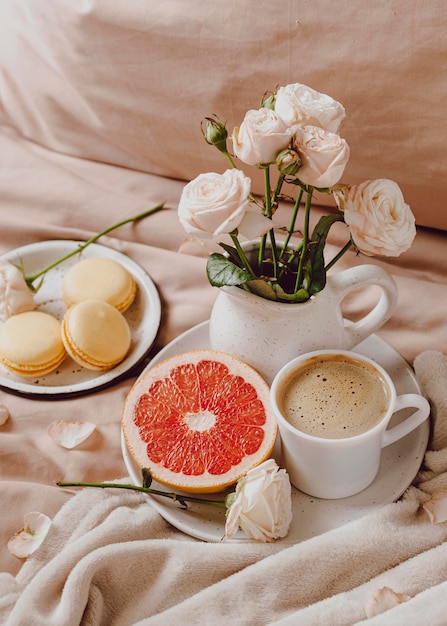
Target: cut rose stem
{"type": "Point", "coordinates": [30, 279]}
{"type": "Point", "coordinates": [157, 492]}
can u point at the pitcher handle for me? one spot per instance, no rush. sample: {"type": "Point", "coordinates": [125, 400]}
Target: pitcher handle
{"type": "Point", "coordinates": [348, 279]}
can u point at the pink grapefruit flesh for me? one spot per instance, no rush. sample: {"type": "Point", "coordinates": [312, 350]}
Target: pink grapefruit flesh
{"type": "Point", "coordinates": [199, 421]}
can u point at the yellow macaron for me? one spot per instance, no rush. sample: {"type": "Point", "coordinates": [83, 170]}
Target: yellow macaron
{"type": "Point", "coordinates": [95, 334]}
{"type": "Point", "coordinates": [31, 344]}
{"type": "Point", "coordinates": [99, 279]}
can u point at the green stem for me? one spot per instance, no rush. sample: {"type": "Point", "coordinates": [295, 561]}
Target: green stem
{"type": "Point", "coordinates": [338, 256]}
{"type": "Point", "coordinates": [274, 253]}
{"type": "Point", "coordinates": [291, 228]}
{"type": "Point", "coordinates": [30, 279]}
{"type": "Point", "coordinates": [293, 255]}
{"type": "Point", "coordinates": [299, 274]}
{"type": "Point", "coordinates": [261, 251]}
{"type": "Point", "coordinates": [242, 255]}
{"type": "Point", "coordinates": [268, 193]}
{"type": "Point", "coordinates": [230, 159]}
{"type": "Point", "coordinates": [157, 492]}
{"type": "Point", "coordinates": [268, 211]}
{"type": "Point", "coordinates": [278, 188]}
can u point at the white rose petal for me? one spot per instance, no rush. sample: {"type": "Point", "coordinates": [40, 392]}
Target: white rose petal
{"type": "Point", "coordinates": [382, 600]}
{"type": "Point", "coordinates": [323, 154]}
{"type": "Point", "coordinates": [378, 218]}
{"type": "Point", "coordinates": [29, 538]}
{"type": "Point", "coordinates": [253, 225]}
{"type": "Point", "coordinates": [299, 104]}
{"type": "Point", "coordinates": [436, 507]}
{"type": "Point", "coordinates": [70, 434]}
{"type": "Point", "coordinates": [213, 204]}
{"type": "Point", "coordinates": [195, 247]}
{"type": "Point", "coordinates": [262, 504]}
{"type": "Point", "coordinates": [4, 414]}
{"type": "Point", "coordinates": [341, 194]}
{"type": "Point", "coordinates": [260, 137]}
{"type": "Point", "coordinates": [15, 295]}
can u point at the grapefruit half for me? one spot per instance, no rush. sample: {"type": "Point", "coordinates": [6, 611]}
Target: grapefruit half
{"type": "Point", "coordinates": [199, 421]}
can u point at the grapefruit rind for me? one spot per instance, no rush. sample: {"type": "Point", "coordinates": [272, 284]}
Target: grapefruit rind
{"type": "Point", "coordinates": [205, 482]}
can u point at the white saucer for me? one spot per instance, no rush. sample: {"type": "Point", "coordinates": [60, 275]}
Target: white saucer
{"type": "Point", "coordinates": [311, 516]}
{"type": "Point", "coordinates": [143, 318]}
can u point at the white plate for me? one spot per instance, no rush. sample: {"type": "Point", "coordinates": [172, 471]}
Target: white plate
{"type": "Point", "coordinates": [143, 317]}
{"type": "Point", "coordinates": [400, 462]}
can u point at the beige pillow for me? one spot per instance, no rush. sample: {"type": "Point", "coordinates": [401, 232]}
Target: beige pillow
{"type": "Point", "coordinates": [129, 82]}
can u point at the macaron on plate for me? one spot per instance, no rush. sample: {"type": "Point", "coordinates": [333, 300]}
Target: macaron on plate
{"type": "Point", "coordinates": [74, 376]}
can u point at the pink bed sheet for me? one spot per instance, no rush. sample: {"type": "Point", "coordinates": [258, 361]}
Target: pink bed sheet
{"type": "Point", "coordinates": [45, 195]}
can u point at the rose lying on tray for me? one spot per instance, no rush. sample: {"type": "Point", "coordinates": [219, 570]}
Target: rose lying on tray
{"type": "Point", "coordinates": [261, 505]}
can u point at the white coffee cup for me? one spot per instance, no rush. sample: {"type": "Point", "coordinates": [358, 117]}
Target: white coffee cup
{"type": "Point", "coordinates": [327, 450]}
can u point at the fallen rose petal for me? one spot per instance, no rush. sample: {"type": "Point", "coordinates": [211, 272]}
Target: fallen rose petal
{"type": "Point", "coordinates": [382, 600]}
{"type": "Point", "coordinates": [29, 538]}
{"type": "Point", "coordinates": [4, 414]}
{"type": "Point", "coordinates": [15, 295]}
{"type": "Point", "coordinates": [436, 507]}
{"type": "Point", "coordinates": [70, 434]}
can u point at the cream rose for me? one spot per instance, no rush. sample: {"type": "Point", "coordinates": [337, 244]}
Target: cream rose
{"type": "Point", "coordinates": [323, 154]}
{"type": "Point", "coordinates": [299, 104]}
{"type": "Point", "coordinates": [15, 295]}
{"type": "Point", "coordinates": [212, 203]}
{"type": "Point", "coordinates": [261, 504]}
{"type": "Point", "coordinates": [378, 218]}
{"type": "Point", "coordinates": [260, 137]}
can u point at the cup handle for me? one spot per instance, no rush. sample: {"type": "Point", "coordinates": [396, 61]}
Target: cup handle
{"type": "Point", "coordinates": [345, 281]}
{"type": "Point", "coordinates": [407, 400]}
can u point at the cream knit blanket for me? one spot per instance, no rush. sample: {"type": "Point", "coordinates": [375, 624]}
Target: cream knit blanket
{"type": "Point", "coordinates": [111, 560]}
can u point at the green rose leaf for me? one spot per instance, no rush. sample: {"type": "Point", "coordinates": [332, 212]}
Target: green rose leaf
{"type": "Point", "coordinates": [146, 478]}
{"type": "Point", "coordinates": [299, 296]}
{"type": "Point", "coordinates": [221, 271]}
{"type": "Point", "coordinates": [315, 278]}
{"type": "Point", "coordinates": [262, 288]}
{"type": "Point", "coordinates": [231, 253]}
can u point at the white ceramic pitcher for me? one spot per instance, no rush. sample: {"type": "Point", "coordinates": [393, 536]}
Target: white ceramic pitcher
{"type": "Point", "coordinates": [267, 334]}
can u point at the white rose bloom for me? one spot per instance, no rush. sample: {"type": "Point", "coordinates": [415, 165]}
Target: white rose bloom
{"type": "Point", "coordinates": [260, 137]}
{"type": "Point", "coordinates": [299, 104]}
{"type": "Point", "coordinates": [15, 295]}
{"type": "Point", "coordinates": [378, 218]}
{"type": "Point", "coordinates": [323, 154]}
{"type": "Point", "coordinates": [213, 204]}
{"type": "Point", "coordinates": [262, 504]}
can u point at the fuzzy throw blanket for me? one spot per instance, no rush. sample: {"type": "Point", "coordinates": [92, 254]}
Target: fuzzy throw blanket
{"type": "Point", "coordinates": [111, 560]}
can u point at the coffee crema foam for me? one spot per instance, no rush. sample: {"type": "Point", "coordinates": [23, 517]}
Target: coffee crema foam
{"type": "Point", "coordinates": [334, 397]}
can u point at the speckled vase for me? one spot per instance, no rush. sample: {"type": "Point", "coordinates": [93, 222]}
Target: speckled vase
{"type": "Point", "coordinates": [267, 334]}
